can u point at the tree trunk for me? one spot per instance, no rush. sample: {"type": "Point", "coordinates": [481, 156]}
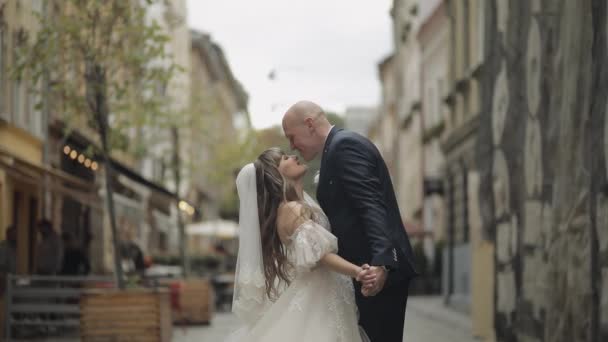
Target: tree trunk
{"type": "Point", "coordinates": [183, 253]}
{"type": "Point", "coordinates": [97, 102]}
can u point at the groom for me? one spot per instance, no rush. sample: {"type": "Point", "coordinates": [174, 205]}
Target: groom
{"type": "Point", "coordinates": [356, 194]}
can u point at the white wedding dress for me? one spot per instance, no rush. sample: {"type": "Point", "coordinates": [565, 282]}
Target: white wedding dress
{"type": "Point", "coordinates": [318, 305]}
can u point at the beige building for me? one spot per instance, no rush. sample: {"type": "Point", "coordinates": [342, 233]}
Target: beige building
{"type": "Point", "coordinates": [469, 265]}
{"type": "Point", "coordinates": [219, 106]}
{"type": "Point", "coordinates": [21, 135]}
{"type": "Point", "coordinates": [25, 174]}
{"type": "Point", "coordinates": [433, 37]}
{"type": "Point", "coordinates": [382, 131]}
{"type": "Point", "coordinates": [435, 94]}
{"type": "Point", "coordinates": [161, 234]}
{"type": "Point", "coordinates": [407, 142]}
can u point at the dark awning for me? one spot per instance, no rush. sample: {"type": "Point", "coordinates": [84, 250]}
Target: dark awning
{"type": "Point", "coordinates": [134, 176]}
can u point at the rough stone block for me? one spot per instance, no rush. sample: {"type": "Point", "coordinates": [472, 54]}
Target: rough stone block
{"type": "Point", "coordinates": [526, 338]}
{"type": "Point", "coordinates": [536, 6]}
{"type": "Point", "coordinates": [604, 307]}
{"type": "Point", "coordinates": [533, 68]}
{"type": "Point", "coordinates": [533, 165]}
{"type": "Point", "coordinates": [514, 235]}
{"type": "Point", "coordinates": [500, 105]}
{"type": "Point", "coordinates": [533, 223]}
{"type": "Point", "coordinates": [535, 282]}
{"type": "Point", "coordinates": [500, 185]}
{"type": "Point", "coordinates": [503, 242]}
{"type": "Point", "coordinates": [602, 224]}
{"type": "Point", "coordinates": [548, 225]}
{"type": "Point", "coordinates": [503, 15]}
{"type": "Point", "coordinates": [506, 296]}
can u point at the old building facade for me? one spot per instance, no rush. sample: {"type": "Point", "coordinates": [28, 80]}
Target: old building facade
{"type": "Point", "coordinates": [544, 110]}
{"type": "Point", "coordinates": [407, 142]}
{"type": "Point", "coordinates": [433, 37]}
{"type": "Point", "coordinates": [220, 106]}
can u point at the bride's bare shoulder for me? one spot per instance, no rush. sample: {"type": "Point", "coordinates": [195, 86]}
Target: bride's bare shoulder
{"type": "Point", "coordinates": [289, 217]}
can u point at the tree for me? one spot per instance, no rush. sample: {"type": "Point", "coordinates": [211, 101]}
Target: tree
{"type": "Point", "coordinates": [102, 66]}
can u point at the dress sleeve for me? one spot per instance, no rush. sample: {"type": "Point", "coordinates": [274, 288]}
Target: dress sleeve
{"type": "Point", "coordinates": [310, 243]}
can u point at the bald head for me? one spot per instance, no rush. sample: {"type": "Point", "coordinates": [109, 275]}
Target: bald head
{"type": "Point", "coordinates": [302, 110]}
{"type": "Point", "coordinates": [306, 127]}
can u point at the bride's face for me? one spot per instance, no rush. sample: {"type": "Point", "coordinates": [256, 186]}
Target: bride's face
{"type": "Point", "coordinates": [291, 168]}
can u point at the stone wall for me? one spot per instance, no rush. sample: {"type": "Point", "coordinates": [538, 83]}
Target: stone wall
{"type": "Point", "coordinates": [542, 154]}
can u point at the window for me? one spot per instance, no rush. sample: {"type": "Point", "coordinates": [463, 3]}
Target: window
{"type": "Point", "coordinates": [162, 241]}
{"type": "Point", "coordinates": [3, 109]}
{"type": "Point", "coordinates": [16, 112]}
{"type": "Point", "coordinates": [439, 100]}
{"type": "Point", "coordinates": [37, 6]}
{"type": "Point", "coordinates": [465, 206]}
{"type": "Point", "coordinates": [466, 35]}
{"type": "Point", "coordinates": [451, 233]}
{"type": "Point", "coordinates": [432, 109]}
{"type": "Point", "coordinates": [481, 28]}
{"type": "Point", "coordinates": [36, 124]}
{"type": "Point", "coordinates": [17, 99]}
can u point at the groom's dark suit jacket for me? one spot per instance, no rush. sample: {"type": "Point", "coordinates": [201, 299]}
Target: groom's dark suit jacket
{"type": "Point", "coordinates": [356, 193]}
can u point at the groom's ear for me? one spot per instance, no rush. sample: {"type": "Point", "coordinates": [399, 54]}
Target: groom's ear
{"type": "Point", "coordinates": [309, 123]}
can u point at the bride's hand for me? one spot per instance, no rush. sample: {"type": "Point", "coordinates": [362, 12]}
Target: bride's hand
{"type": "Point", "coordinates": [373, 281]}
{"type": "Point", "coordinates": [363, 274]}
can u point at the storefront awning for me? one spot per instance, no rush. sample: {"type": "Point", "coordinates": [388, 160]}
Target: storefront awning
{"type": "Point", "coordinates": [126, 171]}
{"type": "Point", "coordinates": [56, 180]}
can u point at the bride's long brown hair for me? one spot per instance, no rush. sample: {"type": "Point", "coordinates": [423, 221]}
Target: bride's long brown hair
{"type": "Point", "coordinates": [272, 190]}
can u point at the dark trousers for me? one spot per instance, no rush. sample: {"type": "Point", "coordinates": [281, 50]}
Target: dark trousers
{"type": "Point", "coordinates": [382, 316]}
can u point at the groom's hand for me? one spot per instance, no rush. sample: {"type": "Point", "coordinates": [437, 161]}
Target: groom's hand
{"type": "Point", "coordinates": [373, 281]}
{"type": "Point", "coordinates": [364, 271]}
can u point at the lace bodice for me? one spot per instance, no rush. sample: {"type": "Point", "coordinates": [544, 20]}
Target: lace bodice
{"type": "Point", "coordinates": [308, 244]}
{"type": "Point", "coordinates": [311, 241]}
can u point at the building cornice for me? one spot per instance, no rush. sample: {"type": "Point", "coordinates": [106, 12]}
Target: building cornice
{"type": "Point", "coordinates": [433, 132]}
{"type": "Point", "coordinates": [407, 119]}
{"type": "Point", "coordinates": [460, 134]}
{"type": "Point", "coordinates": [431, 24]}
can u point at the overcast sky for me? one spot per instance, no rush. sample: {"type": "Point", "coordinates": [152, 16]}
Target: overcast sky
{"type": "Point", "coordinates": [322, 50]}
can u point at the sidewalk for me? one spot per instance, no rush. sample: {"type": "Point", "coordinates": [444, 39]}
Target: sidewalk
{"type": "Point", "coordinates": [426, 320]}
{"type": "Point", "coordinates": [222, 324]}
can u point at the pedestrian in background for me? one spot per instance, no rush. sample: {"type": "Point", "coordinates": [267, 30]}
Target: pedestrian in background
{"type": "Point", "coordinates": [49, 252]}
{"type": "Point", "coordinates": [8, 256]}
{"type": "Point", "coordinates": [75, 261]}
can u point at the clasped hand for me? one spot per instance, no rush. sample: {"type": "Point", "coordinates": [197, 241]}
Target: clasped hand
{"type": "Point", "coordinates": [372, 279]}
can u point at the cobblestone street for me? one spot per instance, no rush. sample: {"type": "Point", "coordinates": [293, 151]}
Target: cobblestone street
{"type": "Point", "coordinates": [426, 321]}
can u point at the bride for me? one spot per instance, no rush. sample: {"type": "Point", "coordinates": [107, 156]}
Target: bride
{"type": "Point", "coordinates": [290, 284]}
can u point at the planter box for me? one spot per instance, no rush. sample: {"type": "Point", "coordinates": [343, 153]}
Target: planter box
{"type": "Point", "coordinates": [192, 301]}
{"type": "Point", "coordinates": [128, 315]}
